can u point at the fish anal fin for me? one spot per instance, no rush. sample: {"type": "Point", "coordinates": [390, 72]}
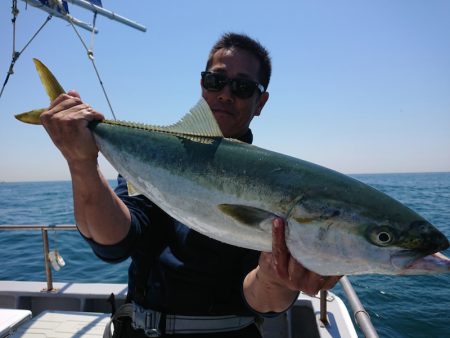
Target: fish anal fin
{"type": "Point", "coordinates": [132, 191]}
{"type": "Point", "coordinates": [249, 216]}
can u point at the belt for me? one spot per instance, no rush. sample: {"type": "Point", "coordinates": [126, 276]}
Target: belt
{"type": "Point", "coordinates": [150, 322]}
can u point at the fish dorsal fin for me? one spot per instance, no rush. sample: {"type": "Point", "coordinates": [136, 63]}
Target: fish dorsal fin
{"type": "Point", "coordinates": [200, 121]}
{"type": "Point", "coordinates": [198, 125]}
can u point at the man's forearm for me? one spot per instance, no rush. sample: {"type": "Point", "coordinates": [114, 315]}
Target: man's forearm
{"type": "Point", "coordinates": [99, 213]}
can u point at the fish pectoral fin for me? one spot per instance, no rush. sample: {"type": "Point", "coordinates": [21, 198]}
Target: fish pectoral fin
{"type": "Point", "coordinates": [31, 117]}
{"type": "Point", "coordinates": [249, 216]}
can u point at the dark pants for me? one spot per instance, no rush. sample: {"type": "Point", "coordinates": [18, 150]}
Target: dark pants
{"type": "Point", "coordinates": [123, 329]}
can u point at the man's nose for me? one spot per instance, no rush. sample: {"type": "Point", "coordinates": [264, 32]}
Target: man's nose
{"type": "Point", "coordinates": [225, 94]}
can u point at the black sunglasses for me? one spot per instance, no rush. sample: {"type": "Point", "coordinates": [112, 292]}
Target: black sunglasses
{"type": "Point", "coordinates": [242, 88]}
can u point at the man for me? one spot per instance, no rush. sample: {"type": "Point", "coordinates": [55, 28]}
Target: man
{"type": "Point", "coordinates": [186, 283]}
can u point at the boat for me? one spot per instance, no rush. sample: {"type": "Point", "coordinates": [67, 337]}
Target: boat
{"type": "Point", "coordinates": [30, 309]}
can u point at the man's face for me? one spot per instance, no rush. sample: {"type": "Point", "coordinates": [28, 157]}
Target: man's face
{"type": "Point", "coordinates": [234, 114]}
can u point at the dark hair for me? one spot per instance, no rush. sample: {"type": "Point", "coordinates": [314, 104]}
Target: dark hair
{"type": "Point", "coordinates": [242, 41]}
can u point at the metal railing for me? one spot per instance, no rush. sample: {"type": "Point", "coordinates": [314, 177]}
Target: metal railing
{"type": "Point", "coordinates": [44, 231]}
{"type": "Point", "coordinates": [360, 315]}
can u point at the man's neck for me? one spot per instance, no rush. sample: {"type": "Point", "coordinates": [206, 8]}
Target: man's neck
{"type": "Point", "coordinates": [247, 137]}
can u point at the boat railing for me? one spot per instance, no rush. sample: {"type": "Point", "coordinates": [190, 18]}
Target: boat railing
{"type": "Point", "coordinates": [44, 231]}
{"type": "Point", "coordinates": [360, 315]}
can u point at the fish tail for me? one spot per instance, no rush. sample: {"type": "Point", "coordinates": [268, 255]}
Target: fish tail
{"type": "Point", "coordinates": [52, 87]}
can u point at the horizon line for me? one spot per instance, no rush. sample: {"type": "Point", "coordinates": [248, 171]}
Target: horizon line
{"type": "Point", "coordinates": [347, 174]}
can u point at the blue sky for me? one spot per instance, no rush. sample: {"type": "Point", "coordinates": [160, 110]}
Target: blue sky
{"type": "Point", "coordinates": [357, 86]}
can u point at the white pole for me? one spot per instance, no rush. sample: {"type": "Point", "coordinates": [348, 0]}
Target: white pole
{"type": "Point", "coordinates": [361, 316]}
{"type": "Point", "coordinates": [111, 15]}
{"type": "Point", "coordinates": [67, 17]}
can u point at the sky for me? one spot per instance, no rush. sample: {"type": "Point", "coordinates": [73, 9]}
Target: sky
{"type": "Point", "coordinates": [357, 86]}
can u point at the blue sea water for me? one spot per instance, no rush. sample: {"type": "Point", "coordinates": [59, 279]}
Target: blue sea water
{"type": "Point", "coordinates": [400, 306]}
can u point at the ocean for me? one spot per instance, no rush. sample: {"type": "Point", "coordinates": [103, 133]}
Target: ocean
{"type": "Point", "coordinates": [399, 306]}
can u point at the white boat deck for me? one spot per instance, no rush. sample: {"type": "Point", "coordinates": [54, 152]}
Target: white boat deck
{"type": "Point", "coordinates": [63, 324]}
{"type": "Point", "coordinates": [82, 310]}
{"type": "Point", "coordinates": [10, 319]}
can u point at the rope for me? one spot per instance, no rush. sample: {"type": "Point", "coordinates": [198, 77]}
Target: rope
{"type": "Point", "coordinates": [16, 54]}
{"type": "Point", "coordinates": [90, 54]}
{"type": "Point", "coordinates": [91, 46]}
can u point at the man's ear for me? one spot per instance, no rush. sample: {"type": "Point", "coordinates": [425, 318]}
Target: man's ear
{"type": "Point", "coordinates": [261, 102]}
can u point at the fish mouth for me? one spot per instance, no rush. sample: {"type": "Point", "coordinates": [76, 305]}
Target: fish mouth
{"type": "Point", "coordinates": [403, 259]}
{"type": "Point", "coordinates": [434, 263]}
{"type": "Point", "coordinates": [414, 250]}
{"type": "Point", "coordinates": [409, 262]}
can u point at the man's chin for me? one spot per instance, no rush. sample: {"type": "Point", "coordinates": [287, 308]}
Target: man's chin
{"type": "Point", "coordinates": [225, 122]}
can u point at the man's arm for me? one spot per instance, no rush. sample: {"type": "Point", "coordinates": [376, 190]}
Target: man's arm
{"type": "Point", "coordinates": [99, 213]}
{"type": "Point", "coordinates": [274, 284]}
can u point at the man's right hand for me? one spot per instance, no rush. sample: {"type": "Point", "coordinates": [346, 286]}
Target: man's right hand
{"type": "Point", "coordinates": [99, 213]}
{"type": "Point", "coordinates": [66, 122]}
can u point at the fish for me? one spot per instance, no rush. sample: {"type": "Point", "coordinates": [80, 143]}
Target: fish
{"type": "Point", "coordinates": [232, 191]}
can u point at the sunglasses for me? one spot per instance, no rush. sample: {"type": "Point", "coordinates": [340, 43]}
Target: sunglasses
{"type": "Point", "coordinates": [241, 88]}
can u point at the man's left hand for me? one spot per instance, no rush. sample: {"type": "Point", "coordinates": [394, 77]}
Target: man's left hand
{"type": "Point", "coordinates": [281, 268]}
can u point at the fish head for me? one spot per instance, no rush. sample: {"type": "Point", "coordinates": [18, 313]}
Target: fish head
{"type": "Point", "coordinates": [411, 246]}
{"type": "Point", "coordinates": [370, 234]}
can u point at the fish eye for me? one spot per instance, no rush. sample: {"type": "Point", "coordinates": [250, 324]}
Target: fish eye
{"type": "Point", "coordinates": [382, 236]}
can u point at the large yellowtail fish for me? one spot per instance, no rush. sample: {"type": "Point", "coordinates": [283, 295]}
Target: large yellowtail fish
{"type": "Point", "coordinates": [231, 191]}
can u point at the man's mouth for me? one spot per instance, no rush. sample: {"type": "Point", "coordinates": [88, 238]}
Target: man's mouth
{"type": "Point", "coordinates": [221, 111]}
